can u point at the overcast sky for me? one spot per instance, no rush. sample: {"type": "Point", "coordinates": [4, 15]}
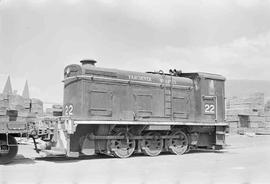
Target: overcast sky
{"type": "Point", "coordinates": [38, 38]}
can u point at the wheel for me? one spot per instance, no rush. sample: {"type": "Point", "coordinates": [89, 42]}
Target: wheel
{"type": "Point", "coordinates": [7, 153]}
{"type": "Point", "coordinates": [179, 145]}
{"type": "Point", "coordinates": [122, 148]}
{"type": "Point", "coordinates": [152, 147]}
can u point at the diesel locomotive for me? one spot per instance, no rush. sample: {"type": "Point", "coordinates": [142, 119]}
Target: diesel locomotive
{"type": "Point", "coordinates": [119, 113]}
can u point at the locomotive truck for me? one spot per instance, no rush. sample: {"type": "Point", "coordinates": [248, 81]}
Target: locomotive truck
{"type": "Point", "coordinates": [118, 113]}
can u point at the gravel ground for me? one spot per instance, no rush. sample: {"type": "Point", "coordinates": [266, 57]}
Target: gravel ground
{"type": "Point", "coordinates": [245, 160]}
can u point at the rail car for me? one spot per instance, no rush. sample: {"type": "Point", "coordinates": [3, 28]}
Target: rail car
{"type": "Point", "coordinates": [118, 113]}
{"type": "Point", "coordinates": [10, 128]}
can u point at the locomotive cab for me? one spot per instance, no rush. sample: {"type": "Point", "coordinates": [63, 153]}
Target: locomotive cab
{"type": "Point", "coordinates": [209, 94]}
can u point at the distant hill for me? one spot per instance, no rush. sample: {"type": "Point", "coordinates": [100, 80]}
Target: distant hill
{"type": "Point", "coordinates": [246, 87]}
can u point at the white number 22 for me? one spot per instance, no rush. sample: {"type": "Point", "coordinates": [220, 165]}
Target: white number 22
{"type": "Point", "coordinates": [68, 110]}
{"type": "Point", "coordinates": [209, 108]}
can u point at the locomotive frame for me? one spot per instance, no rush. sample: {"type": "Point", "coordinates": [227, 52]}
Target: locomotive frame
{"type": "Point", "coordinates": [117, 113]}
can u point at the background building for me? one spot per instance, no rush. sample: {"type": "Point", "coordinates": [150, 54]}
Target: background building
{"type": "Point", "coordinates": [23, 104]}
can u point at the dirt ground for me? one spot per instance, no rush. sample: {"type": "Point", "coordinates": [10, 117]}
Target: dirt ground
{"type": "Point", "coordinates": [246, 159]}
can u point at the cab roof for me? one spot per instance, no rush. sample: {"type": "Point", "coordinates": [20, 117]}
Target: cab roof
{"type": "Point", "coordinates": [194, 75]}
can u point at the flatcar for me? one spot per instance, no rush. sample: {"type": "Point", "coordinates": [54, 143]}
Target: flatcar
{"type": "Point", "coordinates": [119, 113]}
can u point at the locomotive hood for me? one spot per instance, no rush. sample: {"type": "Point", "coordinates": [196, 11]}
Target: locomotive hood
{"type": "Point", "coordinates": [158, 78]}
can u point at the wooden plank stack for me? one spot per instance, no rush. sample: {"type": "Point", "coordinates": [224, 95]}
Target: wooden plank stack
{"type": "Point", "coordinates": [36, 106]}
{"type": "Point", "coordinates": [267, 118]}
{"type": "Point", "coordinates": [251, 107]}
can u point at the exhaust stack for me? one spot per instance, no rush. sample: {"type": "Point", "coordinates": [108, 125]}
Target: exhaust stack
{"type": "Point", "coordinates": [87, 63]}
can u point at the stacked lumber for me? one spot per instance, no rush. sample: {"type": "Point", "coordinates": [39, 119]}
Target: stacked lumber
{"type": "Point", "coordinates": [232, 118]}
{"type": "Point", "coordinates": [4, 103]}
{"type": "Point", "coordinates": [4, 106]}
{"type": "Point", "coordinates": [253, 103]}
{"type": "Point", "coordinates": [49, 111]}
{"type": "Point", "coordinates": [36, 106]}
{"type": "Point", "coordinates": [267, 118]}
{"type": "Point", "coordinates": [4, 118]}
{"type": "Point", "coordinates": [252, 107]}
{"type": "Point", "coordinates": [233, 126]}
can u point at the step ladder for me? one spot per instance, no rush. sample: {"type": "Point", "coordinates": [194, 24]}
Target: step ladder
{"type": "Point", "coordinates": [168, 109]}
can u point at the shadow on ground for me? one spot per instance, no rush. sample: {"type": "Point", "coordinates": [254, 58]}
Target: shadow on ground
{"type": "Point", "coordinates": [63, 159]}
{"type": "Point", "coordinates": [20, 159]}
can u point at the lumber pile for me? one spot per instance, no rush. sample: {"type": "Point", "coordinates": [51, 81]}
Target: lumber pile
{"type": "Point", "coordinates": [247, 112]}
{"type": "Point", "coordinates": [36, 106]}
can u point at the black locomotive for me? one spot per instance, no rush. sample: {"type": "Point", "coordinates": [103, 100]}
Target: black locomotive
{"type": "Point", "coordinates": [118, 112]}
